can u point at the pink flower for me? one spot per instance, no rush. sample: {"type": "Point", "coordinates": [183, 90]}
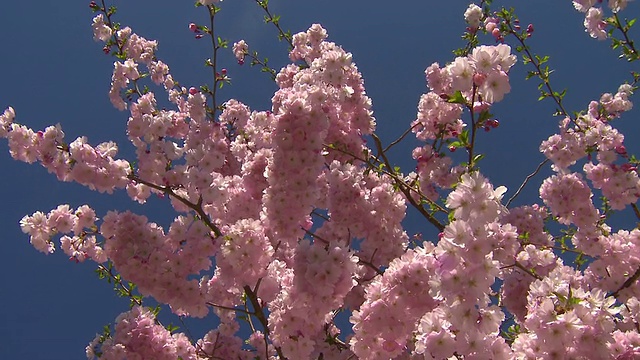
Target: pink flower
{"type": "Point", "coordinates": [473, 15]}
{"type": "Point", "coordinates": [101, 32]}
{"type": "Point", "coordinates": [240, 49]}
{"type": "Point", "coordinates": [5, 121]}
{"type": "Point", "coordinates": [37, 226]}
{"type": "Point", "coordinates": [617, 5]}
{"type": "Point", "coordinates": [594, 24]}
{"type": "Point", "coordinates": [495, 86]}
{"type": "Point", "coordinates": [583, 5]}
{"type": "Point", "coordinates": [461, 74]}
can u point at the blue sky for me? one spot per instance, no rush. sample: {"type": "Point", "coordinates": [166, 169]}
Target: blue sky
{"type": "Point", "coordinates": [53, 71]}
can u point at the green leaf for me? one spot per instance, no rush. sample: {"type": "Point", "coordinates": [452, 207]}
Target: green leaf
{"type": "Point", "coordinates": [456, 144]}
{"type": "Point", "coordinates": [484, 116]}
{"type": "Point", "coordinates": [477, 158]}
{"type": "Point", "coordinates": [457, 98]}
{"type": "Point", "coordinates": [464, 137]}
{"type": "Point", "coordinates": [451, 217]}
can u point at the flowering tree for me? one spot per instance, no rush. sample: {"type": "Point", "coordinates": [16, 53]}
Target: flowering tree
{"type": "Point", "coordinates": [287, 217]}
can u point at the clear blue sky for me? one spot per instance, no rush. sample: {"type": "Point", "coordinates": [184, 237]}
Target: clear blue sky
{"type": "Point", "coordinates": [53, 71]}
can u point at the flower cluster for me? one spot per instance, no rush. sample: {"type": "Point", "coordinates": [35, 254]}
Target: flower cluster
{"type": "Point", "coordinates": [138, 336]}
{"type": "Point", "coordinates": [294, 219]}
{"type": "Point", "coordinates": [158, 263]}
{"type": "Point", "coordinates": [564, 318]}
{"type": "Point", "coordinates": [569, 198]}
{"type": "Point", "coordinates": [321, 279]}
{"type": "Point", "coordinates": [245, 252]}
{"type": "Point", "coordinates": [573, 143]}
{"type": "Point", "coordinates": [593, 21]}
{"type": "Point", "coordinates": [94, 167]}
{"type": "Point", "coordinates": [617, 255]}
{"type": "Point", "coordinates": [62, 220]}
{"type": "Point", "coordinates": [434, 171]}
{"type": "Point", "coordinates": [394, 302]}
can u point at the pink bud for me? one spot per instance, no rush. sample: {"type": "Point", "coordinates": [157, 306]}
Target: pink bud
{"type": "Point", "coordinates": [390, 345]}
{"type": "Point", "coordinates": [628, 167]}
{"type": "Point", "coordinates": [193, 91]}
{"type": "Point", "coordinates": [193, 27]}
{"type": "Point", "coordinates": [490, 26]}
{"type": "Point", "coordinates": [478, 78]}
{"type": "Point", "coordinates": [530, 28]}
{"type": "Point", "coordinates": [496, 33]}
{"type": "Point", "coordinates": [621, 150]}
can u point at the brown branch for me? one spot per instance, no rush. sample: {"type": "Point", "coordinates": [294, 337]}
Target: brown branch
{"type": "Point", "coordinates": [369, 264]}
{"type": "Point", "coordinates": [521, 267]}
{"type": "Point", "coordinates": [195, 207]}
{"type": "Point", "coordinates": [636, 210]}
{"type": "Point", "coordinates": [630, 281]}
{"type": "Point", "coordinates": [405, 189]}
{"type": "Point", "coordinates": [253, 298]}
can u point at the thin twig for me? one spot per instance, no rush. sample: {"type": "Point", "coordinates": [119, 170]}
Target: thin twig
{"type": "Point", "coordinates": [526, 180]}
{"type": "Point", "coordinates": [229, 308]}
{"type": "Point", "coordinates": [281, 33]}
{"type": "Point", "coordinates": [396, 141]}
